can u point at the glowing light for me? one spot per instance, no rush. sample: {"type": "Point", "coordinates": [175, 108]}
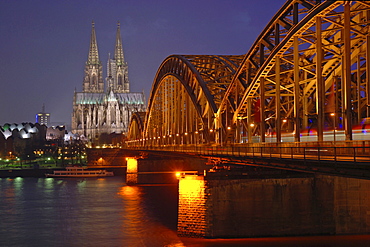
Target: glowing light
{"type": "Point", "coordinates": [186, 133]}
{"type": "Point", "coordinates": [332, 114]}
{"type": "Point", "coordinates": [127, 191]}
{"type": "Point", "coordinates": [26, 135]}
{"type": "Point", "coordinates": [229, 128]}
{"type": "Point", "coordinates": [178, 174]}
{"type": "Point", "coordinates": [191, 193]}
{"type": "Point", "coordinates": [131, 165]}
{"type": "Point", "coordinates": [284, 120]}
{"type": "Point", "coordinates": [211, 130]}
{"type": "Point", "coordinates": [252, 125]}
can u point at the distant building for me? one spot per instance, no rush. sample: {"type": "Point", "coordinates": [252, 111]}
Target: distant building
{"type": "Point", "coordinates": [105, 108]}
{"type": "Point", "coordinates": [43, 117]}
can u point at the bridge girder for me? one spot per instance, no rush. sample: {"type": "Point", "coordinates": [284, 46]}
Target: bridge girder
{"type": "Point", "coordinates": [136, 128]}
{"type": "Point", "coordinates": [303, 51]}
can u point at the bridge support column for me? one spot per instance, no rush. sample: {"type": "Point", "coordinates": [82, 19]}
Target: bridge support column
{"type": "Point", "coordinates": [368, 72]}
{"type": "Point", "coordinates": [277, 101]}
{"type": "Point", "coordinates": [262, 109]}
{"type": "Point", "coordinates": [347, 105]}
{"type": "Point", "coordinates": [213, 206]}
{"type": "Point", "coordinates": [131, 173]}
{"type": "Point", "coordinates": [320, 87]}
{"type": "Point", "coordinates": [297, 122]}
{"type": "Point", "coordinates": [249, 119]}
{"type": "Point", "coordinates": [359, 118]}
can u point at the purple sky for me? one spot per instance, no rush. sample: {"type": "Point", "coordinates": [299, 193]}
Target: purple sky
{"type": "Point", "coordinates": [44, 43]}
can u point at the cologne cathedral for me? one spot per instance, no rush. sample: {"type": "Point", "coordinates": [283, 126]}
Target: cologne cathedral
{"type": "Point", "coordinates": [105, 107]}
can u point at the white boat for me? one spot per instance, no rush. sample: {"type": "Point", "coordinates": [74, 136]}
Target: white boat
{"type": "Point", "coordinates": [79, 172]}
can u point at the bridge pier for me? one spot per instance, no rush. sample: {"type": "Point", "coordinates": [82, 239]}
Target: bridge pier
{"type": "Point", "coordinates": [214, 206]}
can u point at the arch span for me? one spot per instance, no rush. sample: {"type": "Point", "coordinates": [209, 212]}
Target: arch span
{"type": "Point", "coordinates": [136, 127]}
{"type": "Point", "coordinates": [185, 96]}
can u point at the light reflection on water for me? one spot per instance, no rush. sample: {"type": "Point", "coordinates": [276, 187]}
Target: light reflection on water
{"type": "Point", "coordinates": [107, 212]}
{"type": "Point", "coordinates": [82, 212]}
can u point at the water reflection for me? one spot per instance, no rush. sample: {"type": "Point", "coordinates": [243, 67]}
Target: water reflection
{"type": "Point", "coordinates": [107, 212]}
{"type": "Point", "coordinates": [141, 226]}
{"type": "Point", "coordinates": [132, 215]}
{"type": "Point", "coordinates": [82, 212]}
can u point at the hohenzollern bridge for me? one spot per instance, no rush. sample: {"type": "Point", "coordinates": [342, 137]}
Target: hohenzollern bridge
{"type": "Point", "coordinates": [303, 83]}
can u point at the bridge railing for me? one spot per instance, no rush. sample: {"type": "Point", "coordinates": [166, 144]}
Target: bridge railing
{"type": "Point", "coordinates": [356, 152]}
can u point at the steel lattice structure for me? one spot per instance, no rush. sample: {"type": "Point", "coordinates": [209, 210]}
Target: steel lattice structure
{"type": "Point", "coordinates": [307, 69]}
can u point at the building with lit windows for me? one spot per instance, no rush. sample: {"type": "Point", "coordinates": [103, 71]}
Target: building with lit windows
{"type": "Point", "coordinates": [43, 117]}
{"type": "Point", "coordinates": [105, 107]}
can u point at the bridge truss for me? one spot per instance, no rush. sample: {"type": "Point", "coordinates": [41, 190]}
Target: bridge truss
{"type": "Point", "coordinates": [307, 70]}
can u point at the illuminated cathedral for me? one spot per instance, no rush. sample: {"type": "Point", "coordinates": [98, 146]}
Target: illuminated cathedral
{"type": "Point", "coordinates": [105, 107]}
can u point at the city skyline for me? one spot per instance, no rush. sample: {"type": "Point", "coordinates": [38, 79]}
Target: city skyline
{"type": "Point", "coordinates": [45, 44]}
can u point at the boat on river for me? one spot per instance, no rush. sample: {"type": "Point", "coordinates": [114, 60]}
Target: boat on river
{"type": "Point", "coordinates": [79, 172]}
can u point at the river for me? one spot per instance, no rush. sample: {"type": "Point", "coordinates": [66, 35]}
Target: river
{"type": "Point", "coordinates": [107, 212]}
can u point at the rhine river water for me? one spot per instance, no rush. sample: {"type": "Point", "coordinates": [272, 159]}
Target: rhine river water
{"type": "Point", "coordinates": [107, 212]}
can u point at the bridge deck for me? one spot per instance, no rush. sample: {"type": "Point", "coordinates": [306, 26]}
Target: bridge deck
{"type": "Point", "coordinates": [349, 159]}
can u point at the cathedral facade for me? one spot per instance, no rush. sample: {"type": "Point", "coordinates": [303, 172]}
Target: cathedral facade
{"type": "Point", "coordinates": [105, 107]}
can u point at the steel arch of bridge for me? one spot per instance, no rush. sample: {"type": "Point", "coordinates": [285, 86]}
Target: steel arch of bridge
{"type": "Point", "coordinates": [136, 127]}
{"type": "Point", "coordinates": [186, 93]}
{"type": "Point", "coordinates": [307, 69]}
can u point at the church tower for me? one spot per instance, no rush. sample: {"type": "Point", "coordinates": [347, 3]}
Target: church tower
{"type": "Point", "coordinates": [93, 79]}
{"type": "Point", "coordinates": [118, 68]}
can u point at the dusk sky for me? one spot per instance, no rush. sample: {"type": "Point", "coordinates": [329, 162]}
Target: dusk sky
{"type": "Point", "coordinates": [44, 43]}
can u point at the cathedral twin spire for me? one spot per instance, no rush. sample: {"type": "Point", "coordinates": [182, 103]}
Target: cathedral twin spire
{"type": "Point", "coordinates": [93, 51]}
{"type": "Point", "coordinates": [117, 76]}
{"type": "Point", "coordinates": [118, 52]}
